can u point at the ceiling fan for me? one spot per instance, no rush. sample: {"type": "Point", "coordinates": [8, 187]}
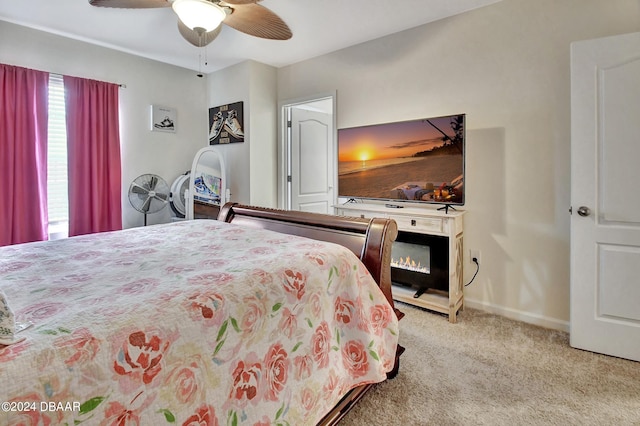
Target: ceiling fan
{"type": "Point", "coordinates": [199, 20]}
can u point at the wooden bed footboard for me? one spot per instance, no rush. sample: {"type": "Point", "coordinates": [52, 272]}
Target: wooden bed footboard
{"type": "Point", "coordinates": [369, 239]}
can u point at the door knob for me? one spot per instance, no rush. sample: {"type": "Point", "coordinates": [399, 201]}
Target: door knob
{"type": "Point", "coordinates": [584, 211]}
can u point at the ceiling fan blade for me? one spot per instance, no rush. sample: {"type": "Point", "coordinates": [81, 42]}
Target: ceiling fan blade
{"type": "Point", "coordinates": [234, 2]}
{"type": "Point", "coordinates": [194, 38]}
{"type": "Point", "coordinates": [130, 4]}
{"type": "Point", "coordinates": [257, 21]}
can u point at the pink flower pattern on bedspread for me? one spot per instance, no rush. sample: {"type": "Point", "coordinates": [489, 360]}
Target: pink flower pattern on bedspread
{"type": "Point", "coordinates": [190, 323]}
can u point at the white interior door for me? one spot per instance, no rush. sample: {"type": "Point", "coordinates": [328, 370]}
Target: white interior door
{"type": "Point", "coordinates": [605, 199]}
{"type": "Point", "coordinates": [312, 157]}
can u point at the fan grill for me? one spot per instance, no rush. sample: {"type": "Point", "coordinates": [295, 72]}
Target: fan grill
{"type": "Point", "coordinates": [148, 193]}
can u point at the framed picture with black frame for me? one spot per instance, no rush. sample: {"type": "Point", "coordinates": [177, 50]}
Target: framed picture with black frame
{"type": "Point", "coordinates": [226, 124]}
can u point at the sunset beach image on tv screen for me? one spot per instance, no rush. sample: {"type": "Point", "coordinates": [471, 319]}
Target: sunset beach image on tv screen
{"type": "Point", "coordinates": [417, 160]}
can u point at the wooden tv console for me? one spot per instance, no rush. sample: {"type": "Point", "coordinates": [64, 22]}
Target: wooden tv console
{"type": "Point", "coordinates": [429, 221]}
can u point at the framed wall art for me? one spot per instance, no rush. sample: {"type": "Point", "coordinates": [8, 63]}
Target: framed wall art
{"type": "Point", "coordinates": [226, 124]}
{"type": "Point", "coordinates": [163, 119]}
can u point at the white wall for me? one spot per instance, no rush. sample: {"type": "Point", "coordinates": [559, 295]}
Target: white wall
{"type": "Point", "coordinates": [147, 82]}
{"type": "Point", "coordinates": [224, 87]}
{"type": "Point", "coordinates": [264, 153]}
{"type": "Point", "coordinates": [251, 165]}
{"type": "Point", "coordinates": [507, 67]}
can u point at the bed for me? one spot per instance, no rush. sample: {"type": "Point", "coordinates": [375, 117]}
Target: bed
{"type": "Point", "coordinates": [261, 317]}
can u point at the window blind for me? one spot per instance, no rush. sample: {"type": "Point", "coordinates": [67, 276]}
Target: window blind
{"type": "Point", "coordinates": [57, 188]}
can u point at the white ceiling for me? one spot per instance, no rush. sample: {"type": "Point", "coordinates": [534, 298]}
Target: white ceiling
{"type": "Point", "coordinates": [318, 26]}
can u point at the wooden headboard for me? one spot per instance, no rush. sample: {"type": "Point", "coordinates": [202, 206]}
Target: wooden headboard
{"type": "Point", "coordinates": [369, 239]}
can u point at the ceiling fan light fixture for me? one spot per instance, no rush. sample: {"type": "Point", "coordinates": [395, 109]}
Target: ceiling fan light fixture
{"type": "Point", "coordinates": [199, 14]}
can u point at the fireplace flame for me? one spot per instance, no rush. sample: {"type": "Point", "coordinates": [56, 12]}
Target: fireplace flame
{"type": "Point", "coordinates": [409, 264]}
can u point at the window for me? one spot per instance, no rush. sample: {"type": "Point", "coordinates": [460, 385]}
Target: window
{"type": "Point", "coordinates": [57, 182]}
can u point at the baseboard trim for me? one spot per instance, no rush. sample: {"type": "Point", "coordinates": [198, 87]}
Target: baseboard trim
{"type": "Point", "coordinates": [517, 315]}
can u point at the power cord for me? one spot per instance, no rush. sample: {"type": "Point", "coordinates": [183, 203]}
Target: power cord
{"type": "Point", "coordinates": [474, 260]}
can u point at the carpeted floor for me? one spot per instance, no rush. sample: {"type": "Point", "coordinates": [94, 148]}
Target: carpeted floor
{"type": "Point", "coordinates": [489, 370]}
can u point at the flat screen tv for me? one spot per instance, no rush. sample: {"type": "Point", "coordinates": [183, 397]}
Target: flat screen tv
{"type": "Point", "coordinates": [416, 161]}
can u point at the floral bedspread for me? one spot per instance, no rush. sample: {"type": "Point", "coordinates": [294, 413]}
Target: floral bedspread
{"type": "Point", "coordinates": [189, 323]}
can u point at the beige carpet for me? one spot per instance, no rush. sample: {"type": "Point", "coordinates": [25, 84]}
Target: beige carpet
{"type": "Point", "coordinates": [489, 370]}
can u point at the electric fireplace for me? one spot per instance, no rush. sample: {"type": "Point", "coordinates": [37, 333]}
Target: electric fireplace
{"type": "Point", "coordinates": [420, 261]}
{"type": "Point", "coordinates": [427, 257]}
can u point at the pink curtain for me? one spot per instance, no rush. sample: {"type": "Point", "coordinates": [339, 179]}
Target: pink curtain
{"type": "Point", "coordinates": [23, 154]}
{"type": "Point", "coordinates": [93, 139]}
